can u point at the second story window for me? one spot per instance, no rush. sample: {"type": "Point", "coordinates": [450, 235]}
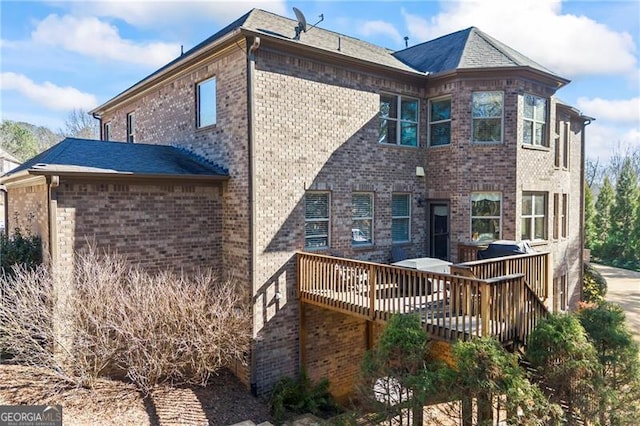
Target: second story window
{"type": "Point", "coordinates": [400, 218]}
{"type": "Point", "coordinates": [534, 121]}
{"type": "Point", "coordinates": [131, 127]}
{"type": "Point", "coordinates": [316, 220]}
{"type": "Point", "coordinates": [485, 216]}
{"type": "Point", "coordinates": [398, 120]}
{"type": "Point", "coordinates": [206, 111]}
{"type": "Point", "coordinates": [486, 116]}
{"type": "Point", "coordinates": [362, 218]}
{"type": "Point", "coordinates": [534, 218]}
{"type": "Point", "coordinates": [106, 132]}
{"type": "Point", "coordinates": [440, 122]}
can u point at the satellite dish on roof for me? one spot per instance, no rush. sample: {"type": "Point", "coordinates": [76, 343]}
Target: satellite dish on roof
{"type": "Point", "coordinates": [302, 23]}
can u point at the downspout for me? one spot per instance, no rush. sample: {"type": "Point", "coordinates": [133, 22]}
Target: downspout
{"type": "Point", "coordinates": [585, 123]}
{"type": "Point", "coordinates": [251, 62]}
{"type": "Point", "coordinates": [54, 182]}
{"type": "Point", "coordinates": [5, 195]}
{"type": "Point", "coordinates": [99, 118]}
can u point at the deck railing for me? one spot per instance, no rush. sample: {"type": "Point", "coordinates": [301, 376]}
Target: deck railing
{"type": "Point", "coordinates": [536, 268]}
{"type": "Point", "coordinates": [451, 306]}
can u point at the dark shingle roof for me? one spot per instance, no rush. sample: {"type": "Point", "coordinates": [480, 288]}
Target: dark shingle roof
{"type": "Point", "coordinates": [465, 49]}
{"type": "Point", "coordinates": [91, 156]}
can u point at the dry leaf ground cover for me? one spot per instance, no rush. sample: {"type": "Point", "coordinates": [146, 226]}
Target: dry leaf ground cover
{"type": "Point", "coordinates": [224, 401]}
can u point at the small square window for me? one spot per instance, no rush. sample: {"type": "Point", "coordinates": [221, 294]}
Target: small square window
{"type": "Point", "coordinates": [206, 103]}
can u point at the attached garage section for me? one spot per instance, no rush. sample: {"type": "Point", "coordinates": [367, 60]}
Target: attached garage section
{"type": "Point", "coordinates": [158, 205]}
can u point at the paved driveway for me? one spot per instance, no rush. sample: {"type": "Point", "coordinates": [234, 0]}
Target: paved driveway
{"type": "Point", "coordinates": [624, 289]}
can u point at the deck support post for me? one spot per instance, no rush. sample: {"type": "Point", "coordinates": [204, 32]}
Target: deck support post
{"type": "Point", "coordinates": [467, 411]}
{"type": "Point", "coordinates": [484, 308]}
{"type": "Point", "coordinates": [303, 336]}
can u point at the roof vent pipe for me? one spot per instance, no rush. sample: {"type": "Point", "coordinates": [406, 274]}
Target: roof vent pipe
{"type": "Point", "coordinates": [406, 41]}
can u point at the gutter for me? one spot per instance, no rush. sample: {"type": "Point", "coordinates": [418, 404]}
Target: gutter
{"type": "Point", "coordinates": [251, 132]}
{"type": "Point", "coordinates": [99, 118]}
{"type": "Point", "coordinates": [585, 122]}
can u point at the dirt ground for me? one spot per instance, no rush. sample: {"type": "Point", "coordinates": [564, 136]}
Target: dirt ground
{"type": "Point", "coordinates": [223, 402]}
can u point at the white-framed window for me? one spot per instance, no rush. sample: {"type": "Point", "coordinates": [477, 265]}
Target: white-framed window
{"type": "Point", "coordinates": [440, 121]}
{"type": "Point", "coordinates": [486, 214]}
{"type": "Point", "coordinates": [400, 217]}
{"type": "Point", "coordinates": [486, 116]}
{"type": "Point", "coordinates": [317, 209]}
{"type": "Point", "coordinates": [206, 106]}
{"type": "Point", "coordinates": [534, 216]}
{"type": "Point", "coordinates": [398, 120]}
{"type": "Point", "coordinates": [362, 218]}
{"type": "Point", "coordinates": [131, 127]}
{"type": "Point", "coordinates": [106, 132]}
{"type": "Point", "coordinates": [534, 121]}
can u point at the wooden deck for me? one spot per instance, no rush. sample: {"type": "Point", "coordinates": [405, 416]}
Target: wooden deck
{"type": "Point", "coordinates": [452, 307]}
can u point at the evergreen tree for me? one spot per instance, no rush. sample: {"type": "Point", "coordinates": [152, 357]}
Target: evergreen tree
{"type": "Point", "coordinates": [589, 218]}
{"type": "Point", "coordinates": [18, 140]}
{"type": "Point", "coordinates": [623, 220]}
{"type": "Point", "coordinates": [619, 362]}
{"type": "Point", "coordinates": [602, 220]}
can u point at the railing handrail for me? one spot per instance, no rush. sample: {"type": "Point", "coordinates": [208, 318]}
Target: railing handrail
{"type": "Point", "coordinates": [510, 257]}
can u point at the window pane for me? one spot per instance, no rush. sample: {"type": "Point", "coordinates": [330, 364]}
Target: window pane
{"type": "Point", "coordinates": [316, 206]}
{"type": "Point", "coordinates": [527, 136]}
{"type": "Point", "coordinates": [529, 103]}
{"type": "Point", "coordinates": [485, 207]}
{"type": "Point", "coordinates": [539, 133]}
{"type": "Point", "coordinates": [440, 134]}
{"type": "Point", "coordinates": [409, 110]}
{"type": "Point", "coordinates": [541, 109]}
{"type": "Point", "coordinates": [485, 229]}
{"type": "Point", "coordinates": [539, 203]}
{"type": "Point", "coordinates": [441, 110]}
{"type": "Point", "coordinates": [361, 232]}
{"type": "Point", "coordinates": [539, 228]}
{"type": "Point", "coordinates": [527, 205]}
{"type": "Point", "coordinates": [387, 131]}
{"type": "Point", "coordinates": [207, 103]}
{"type": "Point", "coordinates": [487, 104]}
{"type": "Point", "coordinates": [400, 205]}
{"type": "Point", "coordinates": [316, 229]}
{"type": "Point", "coordinates": [487, 130]}
{"type": "Point", "coordinates": [388, 106]}
{"type": "Point", "coordinates": [526, 228]}
{"type": "Point", "coordinates": [409, 134]}
{"type": "Point", "coordinates": [400, 230]}
{"type": "Point", "coordinates": [361, 205]}
{"type": "Point", "coordinates": [318, 242]}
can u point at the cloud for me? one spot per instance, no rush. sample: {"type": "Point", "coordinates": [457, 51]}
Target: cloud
{"type": "Point", "coordinates": [149, 13]}
{"type": "Point", "coordinates": [568, 44]}
{"type": "Point", "coordinates": [48, 94]}
{"type": "Point", "coordinates": [100, 40]}
{"type": "Point", "coordinates": [621, 111]}
{"type": "Point", "coordinates": [370, 28]}
{"type": "Point", "coordinates": [602, 141]}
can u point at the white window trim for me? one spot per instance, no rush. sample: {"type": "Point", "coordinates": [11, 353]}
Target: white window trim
{"type": "Point", "coordinates": [487, 118]}
{"type": "Point", "coordinates": [438, 99]}
{"type": "Point", "coordinates": [106, 131]}
{"type": "Point", "coordinates": [328, 220]}
{"type": "Point", "coordinates": [485, 217]}
{"type": "Point", "coordinates": [545, 125]}
{"type": "Point", "coordinates": [533, 216]}
{"type": "Point", "coordinates": [408, 218]}
{"type": "Point", "coordinates": [198, 107]}
{"type": "Point", "coordinates": [360, 218]}
{"type": "Point", "coordinates": [399, 120]}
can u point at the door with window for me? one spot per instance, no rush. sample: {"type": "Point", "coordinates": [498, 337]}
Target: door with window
{"type": "Point", "coordinates": [439, 230]}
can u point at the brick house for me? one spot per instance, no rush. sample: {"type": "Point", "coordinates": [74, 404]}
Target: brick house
{"type": "Point", "coordinates": [331, 145]}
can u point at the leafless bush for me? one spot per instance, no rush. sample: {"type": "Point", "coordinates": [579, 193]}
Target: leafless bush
{"type": "Point", "coordinates": [109, 318]}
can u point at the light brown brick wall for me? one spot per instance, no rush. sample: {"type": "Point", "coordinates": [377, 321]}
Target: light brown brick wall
{"type": "Point", "coordinates": [27, 209]}
{"type": "Point", "coordinates": [158, 227]}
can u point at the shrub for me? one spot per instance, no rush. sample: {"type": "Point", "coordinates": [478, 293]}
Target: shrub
{"type": "Point", "coordinates": [20, 249]}
{"type": "Point", "coordinates": [594, 285]}
{"type": "Point", "coordinates": [108, 318]}
{"type": "Point", "coordinates": [301, 396]}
